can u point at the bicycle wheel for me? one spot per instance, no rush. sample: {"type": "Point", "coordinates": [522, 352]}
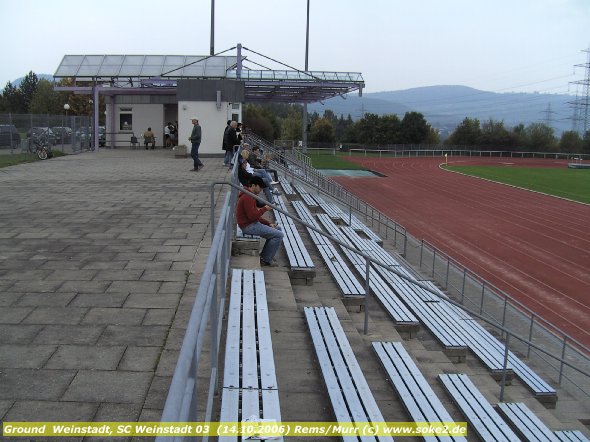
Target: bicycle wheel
{"type": "Point", "coordinates": [42, 154]}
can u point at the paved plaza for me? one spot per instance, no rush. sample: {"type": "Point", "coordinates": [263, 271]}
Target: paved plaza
{"type": "Point", "coordinates": [98, 254]}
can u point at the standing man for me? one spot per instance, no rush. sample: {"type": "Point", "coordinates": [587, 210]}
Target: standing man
{"type": "Point", "coordinates": [251, 222]}
{"type": "Point", "coordinates": [230, 139]}
{"type": "Point", "coordinates": [195, 139]}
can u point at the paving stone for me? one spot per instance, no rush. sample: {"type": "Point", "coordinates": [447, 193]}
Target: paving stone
{"type": "Point", "coordinates": [134, 286]}
{"type": "Point", "coordinates": [142, 336]}
{"type": "Point", "coordinates": [110, 299]}
{"type": "Point", "coordinates": [51, 411]}
{"type": "Point", "coordinates": [170, 275]}
{"type": "Point", "coordinates": [36, 286]}
{"type": "Point", "coordinates": [104, 265]}
{"type": "Point", "coordinates": [26, 275]}
{"type": "Point", "coordinates": [149, 265]}
{"type": "Point", "coordinates": [118, 275]}
{"type": "Point", "coordinates": [7, 299]}
{"type": "Point", "coordinates": [38, 385]}
{"type": "Point", "coordinates": [115, 386]}
{"type": "Point", "coordinates": [18, 334]}
{"type": "Point", "coordinates": [156, 397]}
{"type": "Point", "coordinates": [68, 334]}
{"type": "Point", "coordinates": [159, 316]}
{"type": "Point", "coordinates": [56, 315]}
{"type": "Point", "coordinates": [25, 356]}
{"type": "Point", "coordinates": [172, 287]}
{"type": "Point", "coordinates": [45, 299]}
{"type": "Point", "coordinates": [140, 359]}
{"type": "Point", "coordinates": [167, 362]}
{"type": "Point", "coordinates": [14, 315]}
{"type": "Point", "coordinates": [120, 316]}
{"type": "Point", "coordinates": [141, 300]}
{"type": "Point", "coordinates": [86, 287]}
{"type": "Point", "coordinates": [110, 412]}
{"type": "Point", "coordinates": [4, 407]}
{"type": "Point", "coordinates": [86, 357]}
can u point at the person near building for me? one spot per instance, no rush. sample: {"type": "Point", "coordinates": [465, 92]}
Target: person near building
{"type": "Point", "coordinates": [149, 138]}
{"type": "Point", "coordinates": [230, 139]}
{"type": "Point", "coordinates": [251, 221]}
{"type": "Point", "coordinates": [195, 140]}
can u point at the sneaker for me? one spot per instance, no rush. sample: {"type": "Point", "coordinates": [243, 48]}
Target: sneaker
{"type": "Point", "coordinates": [274, 183]}
{"type": "Point", "coordinates": [194, 169]}
{"type": "Point", "coordinates": [264, 263]}
{"type": "Point", "coordinates": [200, 167]}
{"type": "Point", "coordinates": [275, 192]}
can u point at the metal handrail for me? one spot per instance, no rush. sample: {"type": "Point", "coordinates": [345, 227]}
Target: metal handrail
{"type": "Point", "coordinates": [181, 402]}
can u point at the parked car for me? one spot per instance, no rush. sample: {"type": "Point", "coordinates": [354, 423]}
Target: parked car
{"type": "Point", "coordinates": [9, 136]}
{"type": "Point", "coordinates": [45, 132]}
{"type": "Point", "coordinates": [62, 134]}
{"type": "Point", "coordinates": [84, 136]}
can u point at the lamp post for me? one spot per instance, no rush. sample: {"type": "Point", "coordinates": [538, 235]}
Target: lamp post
{"type": "Point", "coordinates": [66, 108]}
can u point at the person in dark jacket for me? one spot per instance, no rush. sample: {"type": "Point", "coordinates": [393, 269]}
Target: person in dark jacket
{"type": "Point", "coordinates": [230, 139]}
{"type": "Point", "coordinates": [250, 220]}
{"type": "Point", "coordinates": [195, 140]}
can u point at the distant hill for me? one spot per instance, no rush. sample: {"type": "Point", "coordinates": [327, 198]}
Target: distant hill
{"type": "Point", "coordinates": [444, 107]}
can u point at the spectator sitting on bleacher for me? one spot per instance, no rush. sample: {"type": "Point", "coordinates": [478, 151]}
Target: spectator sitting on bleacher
{"type": "Point", "coordinates": [257, 162]}
{"type": "Point", "coordinates": [251, 222]}
{"type": "Point", "coordinates": [149, 138]}
{"type": "Point", "coordinates": [244, 178]}
{"type": "Point", "coordinates": [258, 172]}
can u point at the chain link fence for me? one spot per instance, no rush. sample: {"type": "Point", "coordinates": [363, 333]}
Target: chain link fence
{"type": "Point", "coordinates": [70, 134]}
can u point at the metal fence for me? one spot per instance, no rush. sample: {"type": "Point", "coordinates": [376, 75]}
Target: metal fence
{"type": "Point", "coordinates": [466, 287]}
{"type": "Point", "coordinates": [70, 134]}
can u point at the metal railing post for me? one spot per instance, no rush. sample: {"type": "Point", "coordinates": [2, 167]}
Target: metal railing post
{"type": "Point", "coordinates": [504, 367]}
{"type": "Point", "coordinates": [562, 359]}
{"type": "Point", "coordinates": [528, 352]}
{"type": "Point", "coordinates": [367, 290]}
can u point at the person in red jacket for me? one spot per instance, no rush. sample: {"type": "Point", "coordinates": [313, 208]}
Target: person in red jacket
{"type": "Point", "coordinates": [251, 222]}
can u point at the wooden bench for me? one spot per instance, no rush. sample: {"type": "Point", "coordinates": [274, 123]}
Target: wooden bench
{"type": "Point", "coordinates": [403, 319]}
{"type": "Point", "coordinates": [350, 395]}
{"type": "Point", "coordinates": [250, 388]}
{"type": "Point", "coordinates": [525, 423]}
{"type": "Point", "coordinates": [416, 394]}
{"type": "Point", "coordinates": [484, 420]}
{"type": "Point", "coordinates": [348, 284]}
{"type": "Point", "coordinates": [570, 436]}
{"type": "Point", "coordinates": [244, 244]}
{"type": "Point", "coordinates": [302, 266]}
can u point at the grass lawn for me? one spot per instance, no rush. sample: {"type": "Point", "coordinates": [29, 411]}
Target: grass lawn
{"type": "Point", "coordinates": [573, 184]}
{"type": "Point", "coordinates": [17, 158]}
{"type": "Point", "coordinates": [339, 162]}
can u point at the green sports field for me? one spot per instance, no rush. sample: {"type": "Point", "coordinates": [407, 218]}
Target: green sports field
{"type": "Point", "coordinates": [323, 161]}
{"type": "Point", "coordinates": [573, 184]}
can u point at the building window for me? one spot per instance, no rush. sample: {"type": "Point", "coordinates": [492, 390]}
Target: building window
{"type": "Point", "coordinates": [126, 122]}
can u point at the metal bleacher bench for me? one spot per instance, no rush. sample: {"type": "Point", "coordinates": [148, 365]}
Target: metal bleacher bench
{"type": "Point", "coordinates": [348, 284]}
{"type": "Point", "coordinates": [570, 436]}
{"type": "Point", "coordinates": [399, 313]}
{"type": "Point", "coordinates": [302, 266]}
{"type": "Point", "coordinates": [350, 395]}
{"type": "Point", "coordinates": [416, 394]}
{"type": "Point", "coordinates": [484, 420]}
{"type": "Point", "coordinates": [525, 423]}
{"type": "Point", "coordinates": [250, 389]}
{"type": "Point", "coordinates": [307, 197]}
{"type": "Point", "coordinates": [287, 188]}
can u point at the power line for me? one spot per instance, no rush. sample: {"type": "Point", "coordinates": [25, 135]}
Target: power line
{"type": "Point", "coordinates": [581, 104]}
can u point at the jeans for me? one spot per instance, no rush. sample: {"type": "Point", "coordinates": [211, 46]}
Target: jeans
{"type": "Point", "coordinates": [195, 155]}
{"type": "Point", "coordinates": [228, 157]}
{"type": "Point", "coordinates": [274, 238]}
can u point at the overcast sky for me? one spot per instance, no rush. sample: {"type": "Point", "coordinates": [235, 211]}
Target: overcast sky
{"type": "Point", "coordinates": [493, 45]}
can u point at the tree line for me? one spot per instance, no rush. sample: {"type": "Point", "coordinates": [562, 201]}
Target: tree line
{"type": "Point", "coordinates": [37, 96]}
{"type": "Point", "coordinates": [285, 121]}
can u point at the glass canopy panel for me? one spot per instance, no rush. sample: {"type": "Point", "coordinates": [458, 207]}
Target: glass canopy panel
{"type": "Point", "coordinates": [111, 66]}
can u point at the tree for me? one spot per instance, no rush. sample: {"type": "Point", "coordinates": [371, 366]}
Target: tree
{"type": "Point", "coordinates": [13, 99]}
{"type": "Point", "coordinates": [495, 136]}
{"type": "Point", "coordinates": [323, 131]}
{"type": "Point", "coordinates": [466, 134]}
{"type": "Point", "coordinates": [292, 126]}
{"type": "Point", "coordinates": [570, 142]}
{"type": "Point", "coordinates": [46, 100]}
{"type": "Point", "coordinates": [540, 138]}
{"type": "Point", "coordinates": [414, 128]}
{"type": "Point", "coordinates": [259, 123]}
{"type": "Point", "coordinates": [586, 143]}
{"type": "Point", "coordinates": [28, 87]}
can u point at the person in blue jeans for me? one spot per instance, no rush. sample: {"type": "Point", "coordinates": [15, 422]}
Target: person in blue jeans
{"type": "Point", "coordinates": [195, 140]}
{"type": "Point", "coordinates": [250, 220]}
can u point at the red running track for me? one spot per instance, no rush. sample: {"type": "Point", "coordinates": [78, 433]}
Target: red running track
{"type": "Point", "coordinates": [534, 247]}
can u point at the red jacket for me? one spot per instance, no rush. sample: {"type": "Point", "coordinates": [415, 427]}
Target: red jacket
{"type": "Point", "coordinates": [247, 212]}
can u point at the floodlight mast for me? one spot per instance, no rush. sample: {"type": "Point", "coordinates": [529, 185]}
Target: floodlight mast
{"type": "Point", "coordinates": [304, 141]}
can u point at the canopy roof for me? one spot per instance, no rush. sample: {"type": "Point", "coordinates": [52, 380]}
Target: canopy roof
{"type": "Point", "coordinates": [146, 74]}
